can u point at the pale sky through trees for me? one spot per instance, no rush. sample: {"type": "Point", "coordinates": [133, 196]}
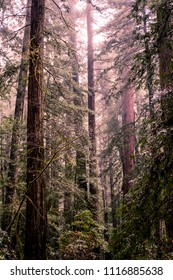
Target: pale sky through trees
{"type": "Point", "coordinates": [93, 132]}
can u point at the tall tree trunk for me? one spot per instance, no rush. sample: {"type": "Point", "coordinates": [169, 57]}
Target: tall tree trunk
{"type": "Point", "coordinates": [128, 137]}
{"type": "Point", "coordinates": [18, 114]}
{"type": "Point", "coordinates": [35, 235]}
{"type": "Point", "coordinates": [165, 48]}
{"type": "Point", "coordinates": [80, 172]}
{"type": "Point", "coordinates": [93, 188]}
{"type": "Point", "coordinates": [149, 68]}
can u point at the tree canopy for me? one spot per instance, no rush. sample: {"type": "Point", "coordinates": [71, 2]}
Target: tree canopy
{"type": "Point", "coordinates": [86, 119]}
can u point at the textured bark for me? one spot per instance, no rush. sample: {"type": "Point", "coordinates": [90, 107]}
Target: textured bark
{"type": "Point", "coordinates": [128, 138]}
{"type": "Point", "coordinates": [35, 236]}
{"type": "Point", "coordinates": [165, 48]}
{"type": "Point", "coordinates": [18, 115]}
{"type": "Point", "coordinates": [68, 197]}
{"type": "Point", "coordinates": [78, 118]}
{"type": "Point", "coordinates": [91, 92]}
{"type": "Point", "coordinates": [91, 115]}
{"type": "Point", "coordinates": [78, 200]}
{"type": "Point", "coordinates": [112, 193]}
{"type": "Point", "coordinates": [149, 68]}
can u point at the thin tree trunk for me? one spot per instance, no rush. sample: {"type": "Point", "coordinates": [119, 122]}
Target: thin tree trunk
{"type": "Point", "coordinates": [80, 176]}
{"type": "Point", "coordinates": [112, 194]}
{"type": "Point", "coordinates": [18, 114]}
{"type": "Point", "coordinates": [68, 198]}
{"type": "Point", "coordinates": [128, 138]}
{"type": "Point", "coordinates": [149, 68]}
{"type": "Point", "coordinates": [35, 235]}
{"type": "Point", "coordinates": [93, 188]}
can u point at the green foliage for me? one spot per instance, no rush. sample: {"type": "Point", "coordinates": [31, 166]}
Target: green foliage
{"type": "Point", "coordinates": [53, 233]}
{"type": "Point", "coordinates": [7, 79]}
{"type": "Point", "coordinates": [147, 209]}
{"type": "Point", "coordinates": [6, 251]}
{"type": "Point", "coordinates": [146, 231]}
{"type": "Point", "coordinates": [84, 240]}
{"type": "Point", "coordinates": [142, 233]}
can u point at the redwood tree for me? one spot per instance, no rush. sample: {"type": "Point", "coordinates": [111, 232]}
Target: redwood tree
{"type": "Point", "coordinates": [35, 236]}
{"type": "Point", "coordinates": [165, 49]}
{"type": "Point", "coordinates": [18, 115]}
{"type": "Point", "coordinates": [80, 172]}
{"type": "Point", "coordinates": [128, 137]}
{"type": "Point", "coordinates": [93, 189]}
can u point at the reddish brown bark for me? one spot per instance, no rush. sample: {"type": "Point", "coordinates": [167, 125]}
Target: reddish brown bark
{"type": "Point", "coordinates": [149, 67]}
{"type": "Point", "coordinates": [35, 238]}
{"type": "Point", "coordinates": [18, 114]}
{"type": "Point", "coordinates": [128, 138]}
{"type": "Point", "coordinates": [91, 92]}
{"type": "Point", "coordinates": [165, 48]}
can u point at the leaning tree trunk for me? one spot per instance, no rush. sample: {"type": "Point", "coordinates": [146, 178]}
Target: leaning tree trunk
{"type": "Point", "coordinates": [93, 188]}
{"type": "Point", "coordinates": [35, 235]}
{"type": "Point", "coordinates": [18, 115]}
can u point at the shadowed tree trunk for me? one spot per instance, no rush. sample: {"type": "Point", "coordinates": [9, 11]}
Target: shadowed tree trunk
{"type": "Point", "coordinates": [35, 235]}
{"type": "Point", "coordinates": [72, 200]}
{"type": "Point", "coordinates": [18, 115]}
{"type": "Point", "coordinates": [80, 174]}
{"type": "Point", "coordinates": [165, 49]}
{"type": "Point", "coordinates": [93, 188]}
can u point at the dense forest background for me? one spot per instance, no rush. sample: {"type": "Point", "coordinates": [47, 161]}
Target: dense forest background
{"type": "Point", "coordinates": [86, 129]}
